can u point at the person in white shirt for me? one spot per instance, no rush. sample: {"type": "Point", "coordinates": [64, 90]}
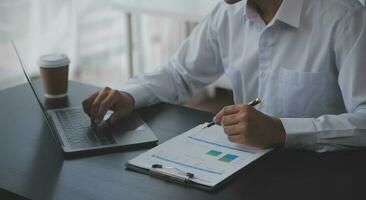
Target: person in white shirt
{"type": "Point", "coordinates": [305, 58]}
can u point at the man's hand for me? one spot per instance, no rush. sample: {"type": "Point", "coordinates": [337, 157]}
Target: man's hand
{"type": "Point", "coordinates": [244, 124]}
{"type": "Point", "coordinates": [106, 99]}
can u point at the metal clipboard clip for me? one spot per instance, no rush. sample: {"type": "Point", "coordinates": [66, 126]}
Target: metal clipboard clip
{"type": "Point", "coordinates": [156, 169]}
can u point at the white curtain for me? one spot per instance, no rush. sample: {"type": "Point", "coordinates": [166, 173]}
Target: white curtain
{"type": "Point", "coordinates": [157, 40]}
{"type": "Point", "coordinates": [91, 32]}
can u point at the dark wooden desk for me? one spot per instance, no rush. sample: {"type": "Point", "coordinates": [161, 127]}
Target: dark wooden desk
{"type": "Point", "coordinates": [32, 166]}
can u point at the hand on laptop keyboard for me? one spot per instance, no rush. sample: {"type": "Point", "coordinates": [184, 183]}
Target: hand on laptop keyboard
{"type": "Point", "coordinates": [96, 105]}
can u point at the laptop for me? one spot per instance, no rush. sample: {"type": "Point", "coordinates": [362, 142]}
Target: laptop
{"type": "Point", "coordinates": [72, 130]}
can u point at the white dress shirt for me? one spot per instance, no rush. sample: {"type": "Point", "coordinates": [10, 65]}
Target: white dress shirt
{"type": "Point", "coordinates": [308, 65]}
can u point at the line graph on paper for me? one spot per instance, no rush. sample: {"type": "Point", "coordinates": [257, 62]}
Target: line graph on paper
{"type": "Point", "coordinates": [215, 136]}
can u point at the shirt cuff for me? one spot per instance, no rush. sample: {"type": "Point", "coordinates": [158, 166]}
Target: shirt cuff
{"type": "Point", "coordinates": [300, 132]}
{"type": "Point", "coordinates": [139, 93]}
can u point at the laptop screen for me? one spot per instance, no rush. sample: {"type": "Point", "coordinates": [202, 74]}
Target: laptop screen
{"type": "Point", "coordinates": [29, 80]}
{"type": "Point", "coordinates": [34, 91]}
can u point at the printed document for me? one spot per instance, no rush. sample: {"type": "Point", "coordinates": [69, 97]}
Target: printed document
{"type": "Point", "coordinates": [204, 152]}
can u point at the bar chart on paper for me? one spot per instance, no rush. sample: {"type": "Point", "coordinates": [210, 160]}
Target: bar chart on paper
{"type": "Point", "coordinates": [205, 152]}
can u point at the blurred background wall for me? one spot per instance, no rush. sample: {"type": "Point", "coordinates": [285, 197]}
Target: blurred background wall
{"type": "Point", "coordinates": [95, 35]}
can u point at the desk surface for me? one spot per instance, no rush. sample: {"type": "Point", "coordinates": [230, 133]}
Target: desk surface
{"type": "Point", "coordinates": [31, 164]}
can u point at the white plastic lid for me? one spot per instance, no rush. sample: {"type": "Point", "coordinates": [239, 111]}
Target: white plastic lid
{"type": "Point", "coordinates": [53, 60]}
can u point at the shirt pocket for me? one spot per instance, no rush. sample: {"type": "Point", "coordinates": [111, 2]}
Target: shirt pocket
{"type": "Point", "coordinates": [304, 94]}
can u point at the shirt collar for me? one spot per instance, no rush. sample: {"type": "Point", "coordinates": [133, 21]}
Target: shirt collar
{"type": "Point", "coordinates": [289, 12]}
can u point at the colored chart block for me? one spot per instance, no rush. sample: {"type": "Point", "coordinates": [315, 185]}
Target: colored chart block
{"type": "Point", "coordinates": [213, 153]}
{"type": "Point", "coordinates": [228, 158]}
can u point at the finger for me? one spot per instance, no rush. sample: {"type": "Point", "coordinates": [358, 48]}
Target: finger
{"type": "Point", "coordinates": [93, 125]}
{"type": "Point", "coordinates": [217, 118]}
{"type": "Point", "coordinates": [87, 103]}
{"type": "Point", "coordinates": [229, 110]}
{"type": "Point", "coordinates": [239, 139]}
{"type": "Point", "coordinates": [225, 111]}
{"type": "Point", "coordinates": [96, 104]}
{"type": "Point", "coordinates": [117, 116]}
{"type": "Point", "coordinates": [230, 119]}
{"type": "Point", "coordinates": [232, 129]}
{"type": "Point", "coordinates": [106, 104]}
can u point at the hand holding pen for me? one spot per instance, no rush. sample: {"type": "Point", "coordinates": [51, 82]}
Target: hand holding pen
{"type": "Point", "coordinates": [244, 124]}
{"type": "Point", "coordinates": [252, 103]}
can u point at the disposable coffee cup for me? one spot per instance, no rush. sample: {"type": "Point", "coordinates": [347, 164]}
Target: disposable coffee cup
{"type": "Point", "coordinates": [54, 71]}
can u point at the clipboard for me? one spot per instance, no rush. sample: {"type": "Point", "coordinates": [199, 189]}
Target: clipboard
{"type": "Point", "coordinates": [210, 162]}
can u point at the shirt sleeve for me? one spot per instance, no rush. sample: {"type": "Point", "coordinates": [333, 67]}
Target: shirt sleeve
{"type": "Point", "coordinates": [195, 65]}
{"type": "Point", "coordinates": [347, 130]}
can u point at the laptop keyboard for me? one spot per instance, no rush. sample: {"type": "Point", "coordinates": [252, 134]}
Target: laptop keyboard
{"type": "Point", "coordinates": [76, 126]}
